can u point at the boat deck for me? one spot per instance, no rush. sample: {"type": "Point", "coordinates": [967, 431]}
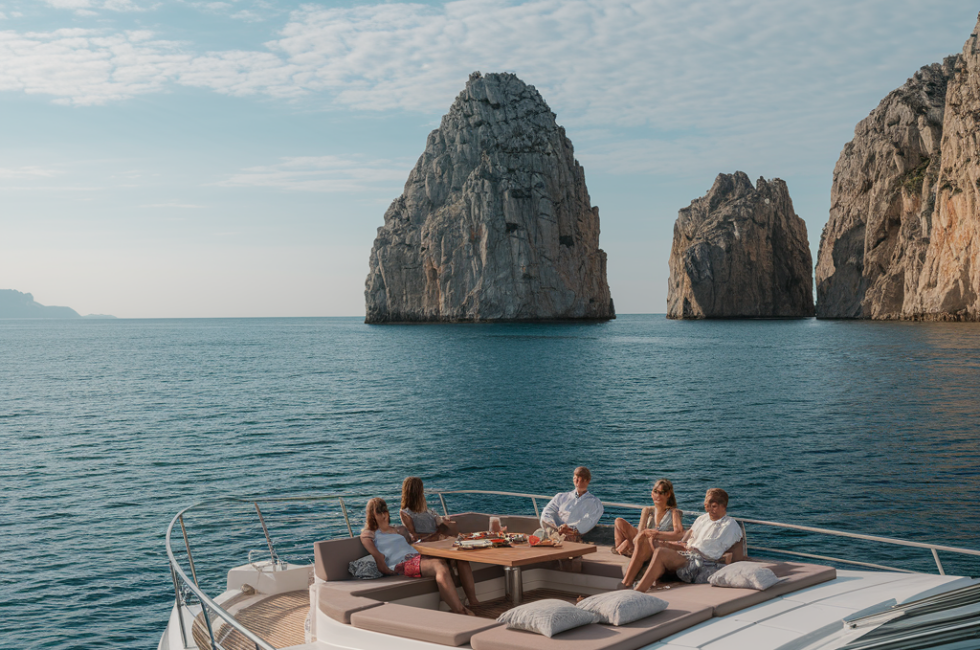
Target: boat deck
{"type": "Point", "coordinates": [279, 619]}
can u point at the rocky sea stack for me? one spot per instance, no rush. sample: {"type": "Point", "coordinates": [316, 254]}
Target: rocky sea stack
{"type": "Point", "coordinates": [903, 238]}
{"type": "Point", "coordinates": [495, 223]}
{"type": "Point", "coordinates": [740, 252]}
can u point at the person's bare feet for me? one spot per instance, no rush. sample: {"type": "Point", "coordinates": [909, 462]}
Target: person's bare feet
{"type": "Point", "coordinates": [468, 611]}
{"type": "Point", "coordinates": [621, 586]}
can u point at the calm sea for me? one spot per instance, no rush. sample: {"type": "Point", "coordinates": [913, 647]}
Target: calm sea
{"type": "Point", "coordinates": [108, 428]}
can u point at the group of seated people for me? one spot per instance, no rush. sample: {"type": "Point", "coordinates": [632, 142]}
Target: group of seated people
{"type": "Point", "coordinates": [660, 539]}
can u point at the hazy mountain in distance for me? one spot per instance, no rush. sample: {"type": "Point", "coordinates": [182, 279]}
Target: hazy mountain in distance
{"type": "Point", "coordinates": [14, 304]}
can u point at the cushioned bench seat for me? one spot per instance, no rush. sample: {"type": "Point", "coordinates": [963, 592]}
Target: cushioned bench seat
{"type": "Point", "coordinates": [339, 604]}
{"type": "Point", "coordinates": [366, 604]}
{"type": "Point", "coordinates": [429, 625]}
{"type": "Point", "coordinates": [724, 600]}
{"type": "Point", "coordinates": [596, 637]}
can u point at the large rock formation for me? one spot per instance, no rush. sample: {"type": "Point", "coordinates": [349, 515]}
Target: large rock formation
{"type": "Point", "coordinates": [882, 199]}
{"type": "Point", "coordinates": [740, 252]}
{"type": "Point", "coordinates": [495, 222]}
{"type": "Point", "coordinates": [949, 286]}
{"type": "Point", "coordinates": [903, 239]}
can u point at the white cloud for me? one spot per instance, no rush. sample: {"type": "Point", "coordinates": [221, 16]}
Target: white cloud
{"type": "Point", "coordinates": [86, 67]}
{"type": "Point", "coordinates": [325, 174]}
{"type": "Point", "coordinates": [88, 7]}
{"type": "Point", "coordinates": [29, 172]}
{"type": "Point", "coordinates": [70, 4]}
{"type": "Point", "coordinates": [722, 69]}
{"type": "Point", "coordinates": [173, 204]}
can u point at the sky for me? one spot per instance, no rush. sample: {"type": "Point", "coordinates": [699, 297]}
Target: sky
{"type": "Point", "coordinates": [185, 159]}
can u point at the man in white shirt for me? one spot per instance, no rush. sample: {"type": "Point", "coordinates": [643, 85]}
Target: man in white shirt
{"type": "Point", "coordinates": [574, 513]}
{"type": "Point", "coordinates": [698, 554]}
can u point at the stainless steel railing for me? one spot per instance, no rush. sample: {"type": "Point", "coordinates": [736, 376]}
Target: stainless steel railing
{"type": "Point", "coordinates": [210, 608]}
{"type": "Point", "coordinates": [935, 548]}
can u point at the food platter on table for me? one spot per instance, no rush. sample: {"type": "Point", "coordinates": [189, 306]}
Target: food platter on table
{"type": "Point", "coordinates": [489, 540]}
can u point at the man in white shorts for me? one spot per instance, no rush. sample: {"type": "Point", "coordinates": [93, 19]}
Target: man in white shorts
{"type": "Point", "coordinates": [697, 556]}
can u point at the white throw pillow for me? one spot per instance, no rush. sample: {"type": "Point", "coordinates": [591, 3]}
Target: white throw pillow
{"type": "Point", "coordinates": [622, 607]}
{"type": "Point", "coordinates": [744, 575]}
{"type": "Point", "coordinates": [548, 617]}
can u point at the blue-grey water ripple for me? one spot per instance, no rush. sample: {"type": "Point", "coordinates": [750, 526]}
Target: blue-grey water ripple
{"type": "Point", "coordinates": [108, 428]}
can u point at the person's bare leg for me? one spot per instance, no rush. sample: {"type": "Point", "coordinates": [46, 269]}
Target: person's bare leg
{"type": "Point", "coordinates": [466, 579]}
{"type": "Point", "coordinates": [664, 560]}
{"type": "Point", "coordinates": [444, 580]}
{"type": "Point", "coordinates": [623, 532]}
{"type": "Point", "coordinates": [642, 551]}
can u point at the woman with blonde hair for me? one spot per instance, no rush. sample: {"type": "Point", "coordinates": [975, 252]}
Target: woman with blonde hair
{"type": "Point", "coordinates": [395, 556]}
{"type": "Point", "coordinates": [422, 522]}
{"type": "Point", "coordinates": [661, 522]}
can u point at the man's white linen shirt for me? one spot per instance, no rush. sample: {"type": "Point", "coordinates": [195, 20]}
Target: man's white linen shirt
{"type": "Point", "coordinates": [580, 512]}
{"type": "Point", "coordinates": [712, 538]}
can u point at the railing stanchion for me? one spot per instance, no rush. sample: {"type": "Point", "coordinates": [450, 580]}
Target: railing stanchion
{"type": "Point", "coordinates": [343, 506]}
{"type": "Point", "coordinates": [190, 558]}
{"type": "Point", "coordinates": [537, 513]}
{"type": "Point", "coordinates": [207, 621]}
{"type": "Point", "coordinates": [939, 564]}
{"type": "Point", "coordinates": [445, 511]}
{"type": "Point", "coordinates": [272, 552]}
{"type": "Point", "coordinates": [180, 612]}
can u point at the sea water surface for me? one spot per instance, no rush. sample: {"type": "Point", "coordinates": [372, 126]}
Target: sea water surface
{"type": "Point", "coordinates": [108, 428]}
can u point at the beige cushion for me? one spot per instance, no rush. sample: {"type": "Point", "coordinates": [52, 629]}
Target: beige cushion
{"type": "Point", "coordinates": [338, 604]}
{"type": "Point", "coordinates": [726, 601]}
{"type": "Point", "coordinates": [596, 637]}
{"type": "Point", "coordinates": [422, 624]}
{"type": "Point", "coordinates": [526, 525]}
{"type": "Point", "coordinates": [471, 522]}
{"type": "Point", "coordinates": [332, 558]}
{"type": "Point", "coordinates": [744, 575]}
{"type": "Point", "coordinates": [548, 617]}
{"type": "Point", "coordinates": [622, 607]}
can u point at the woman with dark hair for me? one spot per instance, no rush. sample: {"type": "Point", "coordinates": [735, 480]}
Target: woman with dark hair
{"type": "Point", "coordinates": [422, 522]}
{"type": "Point", "coordinates": [395, 556]}
{"type": "Point", "coordinates": [661, 522]}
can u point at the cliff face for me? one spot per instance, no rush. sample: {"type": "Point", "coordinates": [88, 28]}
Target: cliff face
{"type": "Point", "coordinates": [882, 200]}
{"type": "Point", "coordinates": [903, 238]}
{"type": "Point", "coordinates": [495, 222]}
{"type": "Point", "coordinates": [949, 286]}
{"type": "Point", "coordinates": [740, 252]}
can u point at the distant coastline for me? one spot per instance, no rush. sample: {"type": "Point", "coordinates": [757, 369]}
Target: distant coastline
{"type": "Point", "coordinates": [15, 304]}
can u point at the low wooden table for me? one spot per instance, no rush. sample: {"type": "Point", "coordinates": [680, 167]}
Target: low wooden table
{"type": "Point", "coordinates": [511, 558]}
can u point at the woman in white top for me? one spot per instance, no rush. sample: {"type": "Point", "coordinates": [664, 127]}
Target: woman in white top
{"type": "Point", "coordinates": [395, 556]}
